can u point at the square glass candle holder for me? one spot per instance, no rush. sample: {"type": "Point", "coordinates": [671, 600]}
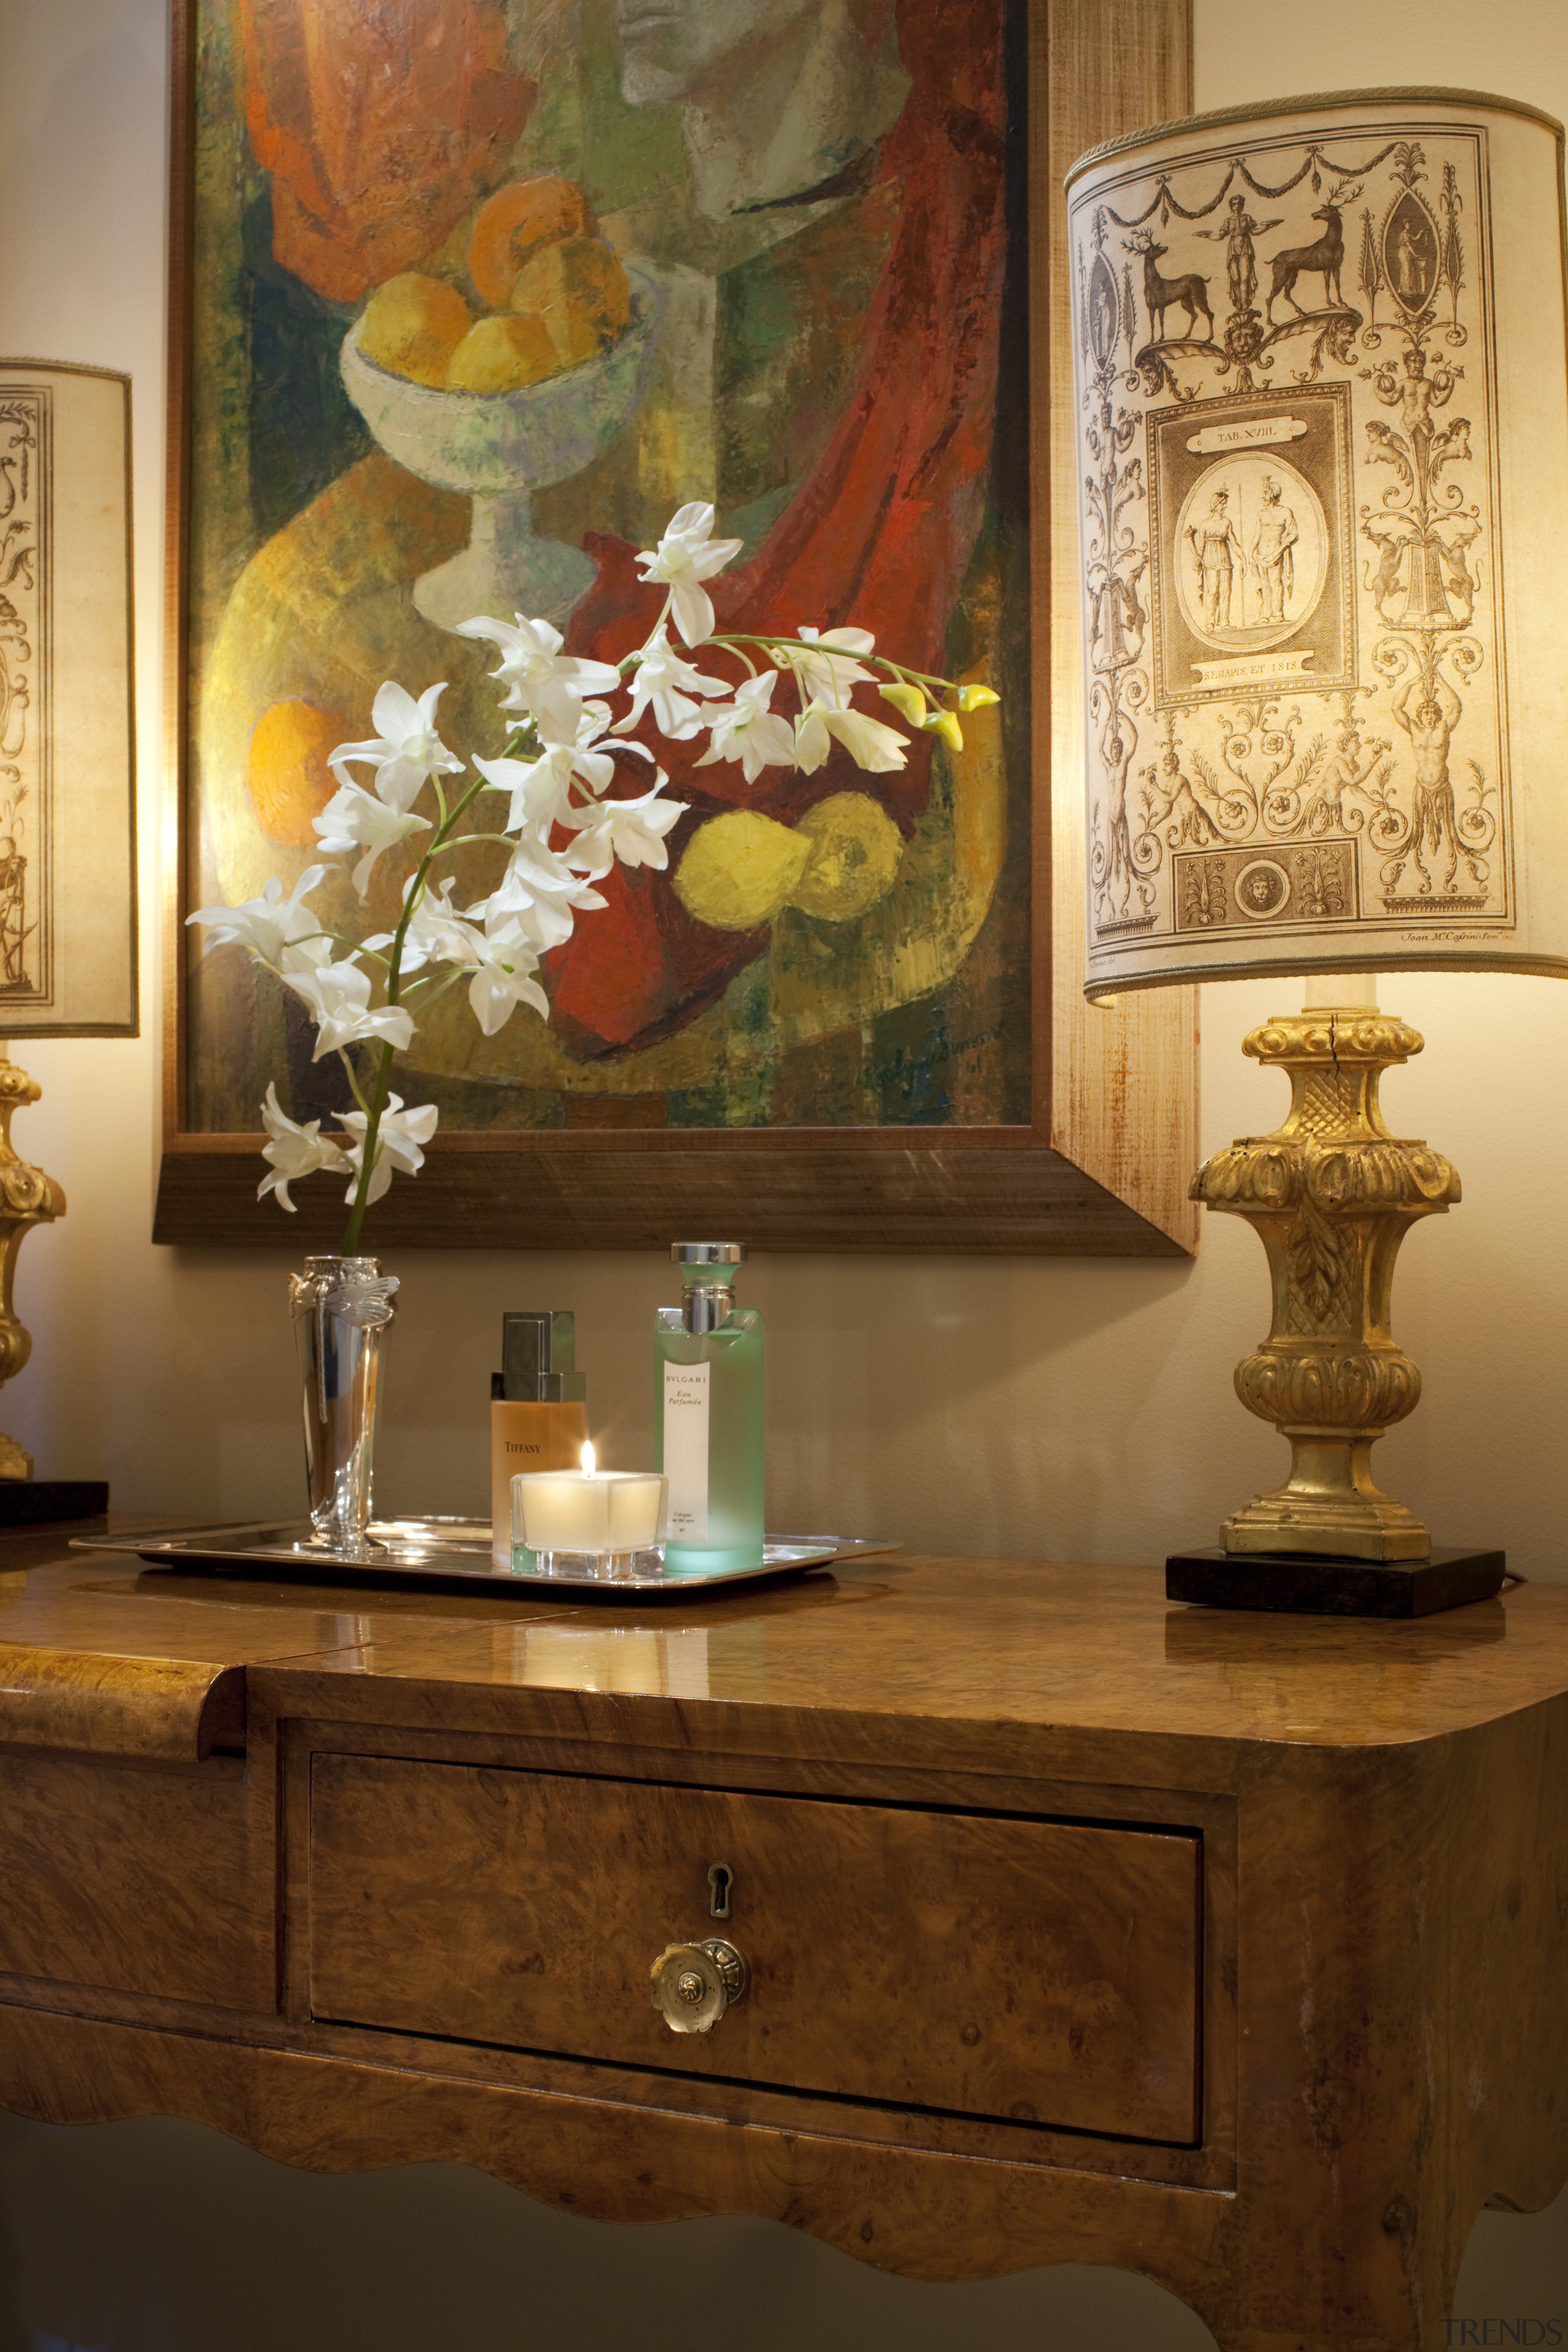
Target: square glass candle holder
{"type": "Point", "coordinates": [584, 1522]}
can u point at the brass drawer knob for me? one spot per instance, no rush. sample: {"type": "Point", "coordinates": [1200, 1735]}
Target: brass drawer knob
{"type": "Point", "coordinates": [694, 1984]}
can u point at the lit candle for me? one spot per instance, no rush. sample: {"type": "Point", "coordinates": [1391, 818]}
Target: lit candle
{"type": "Point", "coordinates": [603, 1514]}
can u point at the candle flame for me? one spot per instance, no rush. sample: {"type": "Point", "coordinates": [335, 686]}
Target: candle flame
{"type": "Point", "coordinates": [589, 1467]}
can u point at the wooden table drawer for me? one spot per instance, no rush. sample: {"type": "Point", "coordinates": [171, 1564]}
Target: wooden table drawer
{"type": "Point", "coordinates": [979, 1964]}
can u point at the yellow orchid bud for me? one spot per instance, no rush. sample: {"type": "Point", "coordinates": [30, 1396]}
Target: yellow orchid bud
{"type": "Point", "coordinates": [976, 698]}
{"type": "Point", "coordinates": [907, 700]}
{"type": "Point", "coordinates": [944, 723]}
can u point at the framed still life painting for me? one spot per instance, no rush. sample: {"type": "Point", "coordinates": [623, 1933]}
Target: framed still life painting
{"type": "Point", "coordinates": [808, 245]}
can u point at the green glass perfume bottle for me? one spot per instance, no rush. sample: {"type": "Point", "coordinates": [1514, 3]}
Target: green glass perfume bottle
{"type": "Point", "coordinates": [708, 1413]}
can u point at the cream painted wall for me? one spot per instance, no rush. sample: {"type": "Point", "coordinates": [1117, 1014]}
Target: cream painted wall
{"type": "Point", "coordinates": [1071, 1409]}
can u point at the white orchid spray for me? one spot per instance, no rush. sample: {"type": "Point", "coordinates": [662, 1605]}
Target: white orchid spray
{"type": "Point", "coordinates": [563, 829]}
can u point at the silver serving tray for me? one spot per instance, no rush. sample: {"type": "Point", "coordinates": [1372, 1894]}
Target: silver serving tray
{"type": "Point", "coordinates": [453, 1548]}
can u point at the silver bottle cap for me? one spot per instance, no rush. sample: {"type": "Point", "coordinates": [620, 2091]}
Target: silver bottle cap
{"type": "Point", "coordinates": [708, 1295]}
{"type": "Point", "coordinates": [538, 1359]}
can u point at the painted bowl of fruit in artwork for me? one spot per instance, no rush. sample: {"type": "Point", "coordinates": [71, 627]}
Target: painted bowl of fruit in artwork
{"type": "Point", "coordinates": [501, 445]}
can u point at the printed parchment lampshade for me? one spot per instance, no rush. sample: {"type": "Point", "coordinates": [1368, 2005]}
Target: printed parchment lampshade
{"type": "Point", "coordinates": [67, 841]}
{"type": "Point", "coordinates": [1321, 384]}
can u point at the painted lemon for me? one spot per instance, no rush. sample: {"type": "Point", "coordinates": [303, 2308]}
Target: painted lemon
{"type": "Point", "coordinates": [412, 326]}
{"type": "Point", "coordinates": [855, 853]}
{"type": "Point", "coordinates": [740, 869]}
{"type": "Point", "coordinates": [500, 355]}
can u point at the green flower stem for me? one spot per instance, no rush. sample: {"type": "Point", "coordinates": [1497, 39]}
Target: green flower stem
{"type": "Point", "coordinates": [466, 841]}
{"type": "Point", "coordinates": [810, 646]}
{"type": "Point", "coordinates": [463, 971]}
{"type": "Point", "coordinates": [439, 839]}
{"type": "Point", "coordinates": [346, 1058]}
{"type": "Point", "coordinates": [367, 1157]}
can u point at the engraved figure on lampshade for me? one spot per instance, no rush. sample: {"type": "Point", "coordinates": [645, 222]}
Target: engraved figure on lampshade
{"type": "Point", "coordinates": [1429, 726]}
{"type": "Point", "coordinates": [1347, 769]}
{"type": "Point", "coordinates": [1274, 567]}
{"type": "Point", "coordinates": [1183, 819]}
{"type": "Point", "coordinates": [1219, 556]}
{"type": "Point", "coordinates": [1407, 261]}
{"type": "Point", "coordinates": [13, 917]}
{"type": "Point", "coordinates": [1240, 259]}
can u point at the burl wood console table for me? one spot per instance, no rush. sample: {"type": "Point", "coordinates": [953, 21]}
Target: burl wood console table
{"type": "Point", "coordinates": [1079, 1927]}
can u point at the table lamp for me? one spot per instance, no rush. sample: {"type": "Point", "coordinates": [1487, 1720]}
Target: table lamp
{"type": "Point", "coordinates": [68, 848]}
{"type": "Point", "coordinates": [1321, 413]}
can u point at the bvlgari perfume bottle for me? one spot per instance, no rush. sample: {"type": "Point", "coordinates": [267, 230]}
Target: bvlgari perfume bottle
{"type": "Point", "coordinates": [708, 1413]}
{"type": "Point", "coordinates": [538, 1412]}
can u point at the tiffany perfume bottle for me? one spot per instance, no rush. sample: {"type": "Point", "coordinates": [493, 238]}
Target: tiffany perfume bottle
{"type": "Point", "coordinates": [708, 1413]}
{"type": "Point", "coordinates": [539, 1412]}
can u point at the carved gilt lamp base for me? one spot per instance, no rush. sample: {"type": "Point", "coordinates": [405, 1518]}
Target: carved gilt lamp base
{"type": "Point", "coordinates": [27, 1197]}
{"type": "Point", "coordinates": [1331, 1194]}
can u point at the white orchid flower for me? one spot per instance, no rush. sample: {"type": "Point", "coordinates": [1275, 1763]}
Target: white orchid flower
{"type": "Point", "coordinates": [292, 1151]}
{"type": "Point", "coordinates": [747, 731]}
{"type": "Point", "coordinates": [539, 679]}
{"type": "Point", "coordinates": [662, 679]}
{"type": "Point", "coordinates": [355, 819]}
{"type": "Point", "coordinates": [407, 750]}
{"type": "Point", "coordinates": [436, 932]}
{"type": "Point", "coordinates": [270, 923]}
{"type": "Point", "coordinates": [397, 1144]}
{"type": "Point", "coordinates": [540, 789]}
{"type": "Point", "coordinates": [867, 741]}
{"type": "Point", "coordinates": [508, 960]}
{"type": "Point", "coordinates": [540, 888]}
{"type": "Point", "coordinates": [686, 556]}
{"type": "Point", "coordinates": [825, 664]}
{"type": "Point", "coordinates": [307, 955]}
{"type": "Point", "coordinates": [631, 831]}
{"type": "Point", "coordinates": [338, 995]}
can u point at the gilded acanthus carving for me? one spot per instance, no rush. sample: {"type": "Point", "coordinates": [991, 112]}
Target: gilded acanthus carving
{"type": "Point", "coordinates": [1335, 1179]}
{"type": "Point", "coordinates": [1336, 1038]}
{"type": "Point", "coordinates": [1331, 1194]}
{"type": "Point", "coordinates": [1353, 1386]}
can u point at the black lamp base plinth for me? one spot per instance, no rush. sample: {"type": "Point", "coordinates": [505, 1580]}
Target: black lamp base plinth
{"type": "Point", "coordinates": [1308, 1584]}
{"type": "Point", "coordinates": [33, 1502]}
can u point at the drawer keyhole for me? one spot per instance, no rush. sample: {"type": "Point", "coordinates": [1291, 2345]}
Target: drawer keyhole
{"type": "Point", "coordinates": [721, 1878]}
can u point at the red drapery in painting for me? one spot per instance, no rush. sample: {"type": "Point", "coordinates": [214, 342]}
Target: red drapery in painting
{"type": "Point", "coordinates": [380, 121]}
{"type": "Point", "coordinates": [880, 534]}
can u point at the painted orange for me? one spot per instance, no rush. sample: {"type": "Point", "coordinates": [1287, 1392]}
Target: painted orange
{"type": "Point", "coordinates": [286, 773]}
{"type": "Point", "coordinates": [514, 223]}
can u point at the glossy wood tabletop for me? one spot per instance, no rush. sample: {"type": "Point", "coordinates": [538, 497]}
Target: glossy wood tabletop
{"type": "Point", "coordinates": [966, 1640]}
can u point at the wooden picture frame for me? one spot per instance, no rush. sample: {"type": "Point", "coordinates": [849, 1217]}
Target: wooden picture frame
{"type": "Point", "coordinates": [1103, 1164]}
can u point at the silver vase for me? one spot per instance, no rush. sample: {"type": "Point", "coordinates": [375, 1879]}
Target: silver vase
{"type": "Point", "coordinates": [343, 1306]}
